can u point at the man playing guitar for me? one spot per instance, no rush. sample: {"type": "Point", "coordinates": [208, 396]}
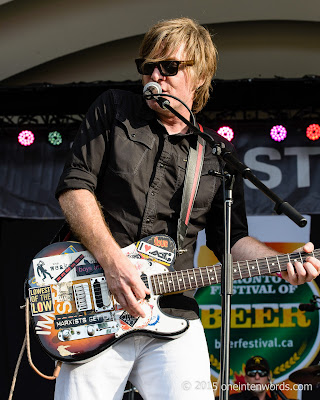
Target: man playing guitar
{"type": "Point", "coordinates": [124, 181]}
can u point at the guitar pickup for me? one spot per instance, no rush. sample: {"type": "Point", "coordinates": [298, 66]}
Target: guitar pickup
{"type": "Point", "coordinates": [101, 294]}
{"type": "Point", "coordinates": [82, 296]}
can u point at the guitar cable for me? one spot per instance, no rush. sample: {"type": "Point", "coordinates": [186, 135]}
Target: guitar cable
{"type": "Point", "coordinates": [26, 345]}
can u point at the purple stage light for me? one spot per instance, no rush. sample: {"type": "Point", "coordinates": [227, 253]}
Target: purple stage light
{"type": "Point", "coordinates": [226, 132]}
{"type": "Point", "coordinates": [26, 138]}
{"type": "Point", "coordinates": [278, 133]}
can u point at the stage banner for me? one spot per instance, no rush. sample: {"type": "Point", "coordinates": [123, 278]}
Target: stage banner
{"type": "Point", "coordinates": [265, 315]}
{"type": "Point", "coordinates": [290, 168]}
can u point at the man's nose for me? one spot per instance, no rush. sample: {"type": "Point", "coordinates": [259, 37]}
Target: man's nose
{"type": "Point", "coordinates": [156, 74]}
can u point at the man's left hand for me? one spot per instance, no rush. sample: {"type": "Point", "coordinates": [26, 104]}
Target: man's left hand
{"type": "Point", "coordinates": [298, 273]}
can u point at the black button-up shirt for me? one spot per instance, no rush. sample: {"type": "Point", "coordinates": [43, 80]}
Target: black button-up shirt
{"type": "Point", "coordinates": [136, 169]}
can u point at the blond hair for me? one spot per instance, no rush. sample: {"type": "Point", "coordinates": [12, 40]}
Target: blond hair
{"type": "Point", "coordinates": [163, 39]}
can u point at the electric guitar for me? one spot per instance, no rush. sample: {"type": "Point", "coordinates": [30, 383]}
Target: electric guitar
{"type": "Point", "coordinates": [74, 315]}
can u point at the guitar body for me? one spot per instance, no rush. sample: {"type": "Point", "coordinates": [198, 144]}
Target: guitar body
{"type": "Point", "coordinates": [74, 315]}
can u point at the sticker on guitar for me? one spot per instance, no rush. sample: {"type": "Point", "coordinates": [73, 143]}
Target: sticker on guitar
{"type": "Point", "coordinates": [51, 270]}
{"type": "Point", "coordinates": [161, 255]}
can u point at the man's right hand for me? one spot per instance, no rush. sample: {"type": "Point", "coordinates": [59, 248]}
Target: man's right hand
{"type": "Point", "coordinates": [125, 284]}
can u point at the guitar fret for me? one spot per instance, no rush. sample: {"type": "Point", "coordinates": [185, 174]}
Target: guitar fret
{"type": "Point", "coordinates": [184, 282]}
{"type": "Point", "coordinates": [181, 280]}
{"type": "Point", "coordinates": [207, 271]}
{"type": "Point", "coordinates": [278, 264]}
{"type": "Point", "coordinates": [174, 281]}
{"type": "Point", "coordinates": [248, 269]}
{"type": "Point", "coordinates": [268, 265]}
{"type": "Point", "coordinates": [253, 267]}
{"type": "Point", "coordinates": [239, 271]}
{"type": "Point", "coordinates": [177, 281]}
{"type": "Point", "coordinates": [258, 267]}
{"type": "Point", "coordinates": [272, 264]}
{"type": "Point", "coordinates": [153, 283]}
{"type": "Point", "coordinates": [215, 272]}
{"type": "Point", "coordinates": [189, 278]}
{"type": "Point", "coordinates": [161, 284]}
{"type": "Point", "coordinates": [210, 275]}
{"type": "Point", "coordinates": [158, 283]}
{"type": "Point", "coordinates": [200, 272]}
{"type": "Point", "coordinates": [195, 277]}
{"type": "Point", "coordinates": [301, 258]}
{"type": "Point", "coordinates": [168, 281]}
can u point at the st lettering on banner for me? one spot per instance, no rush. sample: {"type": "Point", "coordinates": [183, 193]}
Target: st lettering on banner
{"type": "Point", "coordinates": [290, 168]}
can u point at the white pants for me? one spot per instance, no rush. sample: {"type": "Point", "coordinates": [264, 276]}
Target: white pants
{"type": "Point", "coordinates": [176, 369]}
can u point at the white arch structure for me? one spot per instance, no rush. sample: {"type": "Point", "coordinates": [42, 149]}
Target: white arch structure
{"type": "Point", "coordinates": [62, 41]}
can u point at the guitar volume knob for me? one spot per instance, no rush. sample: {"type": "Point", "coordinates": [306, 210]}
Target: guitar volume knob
{"type": "Point", "coordinates": [91, 330]}
{"type": "Point", "coordinates": [66, 333]}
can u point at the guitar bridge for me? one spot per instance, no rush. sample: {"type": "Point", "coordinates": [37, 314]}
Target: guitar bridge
{"type": "Point", "coordinates": [101, 295]}
{"type": "Point", "coordinates": [82, 296]}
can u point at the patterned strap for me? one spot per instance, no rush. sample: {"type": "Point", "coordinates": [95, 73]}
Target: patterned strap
{"type": "Point", "coordinates": [190, 188]}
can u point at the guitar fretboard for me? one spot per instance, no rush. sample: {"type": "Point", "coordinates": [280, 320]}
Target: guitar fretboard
{"type": "Point", "coordinates": [194, 278]}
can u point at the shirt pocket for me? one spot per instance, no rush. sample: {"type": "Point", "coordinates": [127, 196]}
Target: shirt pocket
{"type": "Point", "coordinates": [181, 165]}
{"type": "Point", "coordinates": [208, 185]}
{"type": "Point", "coordinates": [129, 150]}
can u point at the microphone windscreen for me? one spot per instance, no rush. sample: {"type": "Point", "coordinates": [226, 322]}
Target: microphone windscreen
{"type": "Point", "coordinates": [151, 89]}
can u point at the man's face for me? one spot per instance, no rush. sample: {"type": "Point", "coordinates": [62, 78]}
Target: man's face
{"type": "Point", "coordinates": [180, 85]}
{"type": "Point", "coordinates": [257, 383]}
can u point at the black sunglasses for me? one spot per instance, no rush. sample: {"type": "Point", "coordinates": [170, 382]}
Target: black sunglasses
{"type": "Point", "coordinates": [166, 67]}
{"type": "Point", "coordinates": [257, 371]}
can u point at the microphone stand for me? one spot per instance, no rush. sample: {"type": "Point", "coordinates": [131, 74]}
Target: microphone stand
{"type": "Point", "coordinates": [281, 206]}
{"type": "Point", "coordinates": [280, 394]}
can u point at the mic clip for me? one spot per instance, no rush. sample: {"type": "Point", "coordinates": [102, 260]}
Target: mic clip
{"type": "Point", "coordinates": [162, 102]}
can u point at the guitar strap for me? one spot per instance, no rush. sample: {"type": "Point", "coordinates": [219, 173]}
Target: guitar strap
{"type": "Point", "coordinates": [190, 189]}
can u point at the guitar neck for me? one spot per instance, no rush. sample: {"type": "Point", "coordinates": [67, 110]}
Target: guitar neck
{"type": "Point", "coordinates": [194, 278]}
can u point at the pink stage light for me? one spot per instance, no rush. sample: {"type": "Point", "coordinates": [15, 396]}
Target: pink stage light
{"type": "Point", "coordinates": [278, 133]}
{"type": "Point", "coordinates": [313, 132]}
{"type": "Point", "coordinates": [226, 132]}
{"type": "Point", "coordinates": [26, 138]}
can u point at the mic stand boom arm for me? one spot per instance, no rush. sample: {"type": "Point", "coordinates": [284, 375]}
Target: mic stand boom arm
{"type": "Point", "coordinates": [281, 207]}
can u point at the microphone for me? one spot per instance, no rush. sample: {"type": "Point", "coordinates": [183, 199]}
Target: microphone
{"type": "Point", "coordinates": [151, 89]}
{"type": "Point", "coordinates": [308, 307]}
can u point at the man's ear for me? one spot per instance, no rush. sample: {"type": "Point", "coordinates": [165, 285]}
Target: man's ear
{"type": "Point", "coordinates": [200, 82]}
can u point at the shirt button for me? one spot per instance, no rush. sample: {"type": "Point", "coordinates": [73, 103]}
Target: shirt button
{"type": "Point", "coordinates": [161, 165]}
{"type": "Point", "coordinates": [152, 193]}
{"type": "Point", "coordinates": [148, 220]}
{"type": "Point", "coordinates": [133, 135]}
